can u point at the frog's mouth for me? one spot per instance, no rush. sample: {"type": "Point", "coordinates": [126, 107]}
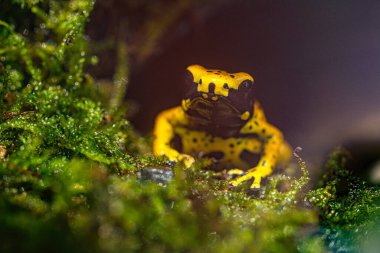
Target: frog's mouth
{"type": "Point", "coordinates": [220, 117]}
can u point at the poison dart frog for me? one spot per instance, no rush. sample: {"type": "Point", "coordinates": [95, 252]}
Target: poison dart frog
{"type": "Point", "coordinates": [219, 118]}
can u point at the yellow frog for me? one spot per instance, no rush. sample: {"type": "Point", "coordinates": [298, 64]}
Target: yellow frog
{"type": "Point", "coordinates": [220, 119]}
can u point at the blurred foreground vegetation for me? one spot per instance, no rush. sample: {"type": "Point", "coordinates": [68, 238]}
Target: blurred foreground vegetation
{"type": "Point", "coordinates": [70, 162]}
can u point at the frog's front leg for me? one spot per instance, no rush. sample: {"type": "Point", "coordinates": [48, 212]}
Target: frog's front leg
{"type": "Point", "coordinates": [164, 127]}
{"type": "Point", "coordinates": [273, 144]}
{"type": "Point", "coordinates": [268, 160]}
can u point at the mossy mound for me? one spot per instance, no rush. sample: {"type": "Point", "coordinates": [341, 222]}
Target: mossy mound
{"type": "Point", "coordinates": [69, 166]}
{"type": "Point", "coordinates": [348, 206]}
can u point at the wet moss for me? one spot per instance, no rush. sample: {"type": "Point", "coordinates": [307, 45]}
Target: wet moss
{"type": "Point", "coordinates": [70, 162]}
{"type": "Point", "coordinates": [348, 206]}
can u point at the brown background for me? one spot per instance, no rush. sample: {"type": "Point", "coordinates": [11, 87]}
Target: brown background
{"type": "Point", "coordinates": [316, 63]}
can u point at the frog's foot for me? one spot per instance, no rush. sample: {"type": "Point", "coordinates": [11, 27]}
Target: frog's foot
{"type": "Point", "coordinates": [187, 160]}
{"type": "Point", "coordinates": [253, 173]}
{"type": "Point", "coordinates": [234, 173]}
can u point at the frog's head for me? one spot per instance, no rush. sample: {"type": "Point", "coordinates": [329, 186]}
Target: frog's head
{"type": "Point", "coordinates": [218, 100]}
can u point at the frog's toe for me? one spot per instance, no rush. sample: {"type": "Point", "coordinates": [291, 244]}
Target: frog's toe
{"type": "Point", "coordinates": [187, 160]}
{"type": "Point", "coordinates": [254, 175]}
{"type": "Point", "coordinates": [235, 173]}
{"type": "Point", "coordinates": [256, 182]}
{"type": "Point", "coordinates": [241, 179]}
{"type": "Point", "coordinates": [233, 184]}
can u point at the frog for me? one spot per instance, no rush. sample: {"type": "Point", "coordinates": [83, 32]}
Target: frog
{"type": "Point", "coordinates": [220, 119]}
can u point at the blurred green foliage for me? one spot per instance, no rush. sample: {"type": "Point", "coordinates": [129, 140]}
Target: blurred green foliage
{"type": "Point", "coordinates": [69, 165]}
{"type": "Point", "coordinates": [349, 207]}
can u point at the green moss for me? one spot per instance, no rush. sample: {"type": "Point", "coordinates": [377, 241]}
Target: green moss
{"type": "Point", "coordinates": [349, 207]}
{"type": "Point", "coordinates": [68, 180]}
{"type": "Point", "coordinates": [45, 115]}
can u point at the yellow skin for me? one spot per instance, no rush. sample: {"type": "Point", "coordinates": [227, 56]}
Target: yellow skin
{"type": "Point", "coordinates": [255, 136]}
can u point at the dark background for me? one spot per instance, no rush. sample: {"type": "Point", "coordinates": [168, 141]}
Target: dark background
{"type": "Point", "coordinates": [316, 64]}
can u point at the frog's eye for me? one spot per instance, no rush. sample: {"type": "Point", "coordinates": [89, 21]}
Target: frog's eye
{"type": "Point", "coordinates": [245, 89]}
{"type": "Point", "coordinates": [246, 84]}
{"type": "Point", "coordinates": [189, 78]}
{"type": "Point", "coordinates": [191, 86]}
